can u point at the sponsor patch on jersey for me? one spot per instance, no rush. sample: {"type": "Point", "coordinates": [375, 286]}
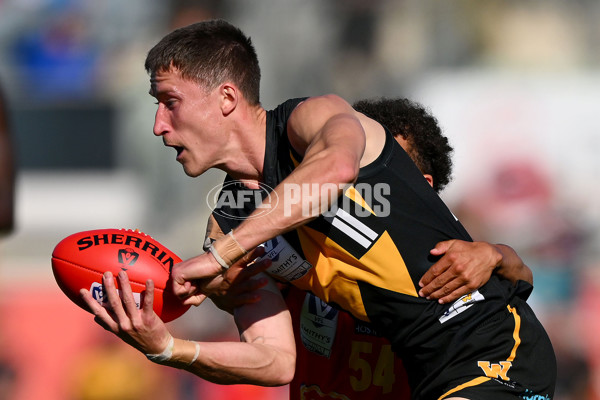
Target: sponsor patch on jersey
{"type": "Point", "coordinates": [318, 325]}
{"type": "Point", "coordinates": [286, 263]}
{"type": "Point", "coordinates": [461, 305]}
{"type": "Point", "coordinates": [364, 328]}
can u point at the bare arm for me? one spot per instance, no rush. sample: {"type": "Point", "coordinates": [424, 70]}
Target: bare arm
{"type": "Point", "coordinates": [466, 266]}
{"type": "Point", "coordinates": [265, 356]}
{"type": "Point", "coordinates": [512, 266]}
{"type": "Point", "coordinates": [329, 135]}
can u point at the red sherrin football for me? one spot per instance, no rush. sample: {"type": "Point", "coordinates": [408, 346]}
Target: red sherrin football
{"type": "Point", "coordinates": [79, 260]}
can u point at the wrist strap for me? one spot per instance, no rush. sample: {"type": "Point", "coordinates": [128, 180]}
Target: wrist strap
{"type": "Point", "coordinates": [227, 250]}
{"type": "Point", "coordinates": [165, 355]}
{"type": "Point", "coordinates": [195, 355]}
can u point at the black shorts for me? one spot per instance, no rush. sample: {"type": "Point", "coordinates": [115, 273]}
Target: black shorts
{"type": "Point", "coordinates": [520, 364]}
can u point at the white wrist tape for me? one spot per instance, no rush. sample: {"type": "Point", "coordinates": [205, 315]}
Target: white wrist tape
{"type": "Point", "coordinates": [215, 253]}
{"type": "Point", "coordinates": [165, 355]}
{"type": "Point", "coordinates": [227, 250]}
{"type": "Point", "coordinates": [195, 355]}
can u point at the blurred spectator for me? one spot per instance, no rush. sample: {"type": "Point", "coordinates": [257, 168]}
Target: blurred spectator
{"type": "Point", "coordinates": [7, 171]}
{"type": "Point", "coordinates": [185, 12]}
{"type": "Point", "coordinates": [356, 69]}
{"type": "Point", "coordinates": [57, 59]}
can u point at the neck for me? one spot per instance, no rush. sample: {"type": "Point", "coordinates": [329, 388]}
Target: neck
{"type": "Point", "coordinates": [246, 150]}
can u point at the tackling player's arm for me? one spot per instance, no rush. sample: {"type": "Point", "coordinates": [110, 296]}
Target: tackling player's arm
{"type": "Point", "coordinates": [466, 266]}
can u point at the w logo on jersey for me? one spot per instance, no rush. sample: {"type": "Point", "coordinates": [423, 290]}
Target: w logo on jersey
{"type": "Point", "coordinates": [497, 371]}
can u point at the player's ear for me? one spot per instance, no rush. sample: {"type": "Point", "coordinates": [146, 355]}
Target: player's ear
{"type": "Point", "coordinates": [229, 98]}
{"type": "Point", "coordinates": [429, 179]}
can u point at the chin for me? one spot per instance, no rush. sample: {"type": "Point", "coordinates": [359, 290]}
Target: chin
{"type": "Point", "coordinates": [193, 173]}
{"type": "Point", "coordinates": [189, 173]}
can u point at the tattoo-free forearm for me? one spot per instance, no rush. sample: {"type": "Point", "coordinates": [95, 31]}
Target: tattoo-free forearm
{"type": "Point", "coordinates": [512, 266]}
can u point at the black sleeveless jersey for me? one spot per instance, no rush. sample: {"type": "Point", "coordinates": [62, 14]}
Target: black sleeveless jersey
{"type": "Point", "coordinates": [368, 253]}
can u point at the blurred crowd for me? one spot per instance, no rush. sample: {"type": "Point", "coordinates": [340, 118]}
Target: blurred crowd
{"type": "Point", "coordinates": [518, 180]}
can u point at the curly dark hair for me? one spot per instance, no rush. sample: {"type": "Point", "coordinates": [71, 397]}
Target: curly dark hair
{"type": "Point", "coordinates": [427, 146]}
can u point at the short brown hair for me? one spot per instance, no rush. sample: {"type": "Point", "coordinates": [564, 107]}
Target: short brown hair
{"type": "Point", "coordinates": [210, 53]}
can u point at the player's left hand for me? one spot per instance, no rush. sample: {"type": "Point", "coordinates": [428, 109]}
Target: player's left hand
{"type": "Point", "coordinates": [462, 268]}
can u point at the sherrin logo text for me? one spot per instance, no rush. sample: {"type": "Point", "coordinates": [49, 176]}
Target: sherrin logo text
{"type": "Point", "coordinates": [128, 256]}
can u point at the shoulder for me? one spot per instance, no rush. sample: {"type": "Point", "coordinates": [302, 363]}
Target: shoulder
{"type": "Point", "coordinates": [310, 116]}
{"type": "Point", "coordinates": [325, 106]}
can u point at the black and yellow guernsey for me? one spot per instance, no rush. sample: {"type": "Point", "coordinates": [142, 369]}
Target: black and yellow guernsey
{"type": "Point", "coordinates": [367, 254]}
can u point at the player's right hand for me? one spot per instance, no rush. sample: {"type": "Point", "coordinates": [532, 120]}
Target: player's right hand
{"type": "Point", "coordinates": [193, 286]}
{"type": "Point", "coordinates": [463, 267]}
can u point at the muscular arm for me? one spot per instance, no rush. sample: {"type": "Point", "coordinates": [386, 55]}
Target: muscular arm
{"type": "Point", "coordinates": [512, 266]}
{"type": "Point", "coordinates": [466, 266]}
{"type": "Point", "coordinates": [266, 355]}
{"type": "Point", "coordinates": [327, 132]}
{"type": "Point", "coordinates": [331, 138]}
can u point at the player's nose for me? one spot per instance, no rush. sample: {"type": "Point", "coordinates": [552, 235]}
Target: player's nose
{"type": "Point", "coordinates": [160, 123]}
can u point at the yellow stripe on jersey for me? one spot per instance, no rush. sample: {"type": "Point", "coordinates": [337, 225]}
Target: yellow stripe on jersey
{"type": "Point", "coordinates": [516, 335]}
{"type": "Point", "coordinates": [386, 266]}
{"type": "Point", "coordinates": [336, 272]}
{"type": "Point", "coordinates": [296, 162]}
{"type": "Point", "coordinates": [353, 194]}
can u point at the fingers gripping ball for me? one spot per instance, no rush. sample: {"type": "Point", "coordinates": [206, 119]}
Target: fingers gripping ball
{"type": "Point", "coordinates": [80, 260]}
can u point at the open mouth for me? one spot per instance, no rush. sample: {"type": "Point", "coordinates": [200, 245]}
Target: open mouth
{"type": "Point", "coordinates": [178, 149]}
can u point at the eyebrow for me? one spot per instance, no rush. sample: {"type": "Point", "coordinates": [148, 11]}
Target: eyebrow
{"type": "Point", "coordinates": [152, 90]}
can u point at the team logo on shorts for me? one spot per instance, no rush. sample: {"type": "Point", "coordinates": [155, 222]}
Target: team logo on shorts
{"type": "Point", "coordinates": [496, 371]}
